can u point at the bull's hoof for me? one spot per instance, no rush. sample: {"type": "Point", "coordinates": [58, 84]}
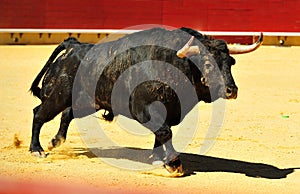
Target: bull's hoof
{"type": "Point", "coordinates": [175, 167]}
{"type": "Point", "coordinates": [39, 154]}
{"type": "Point", "coordinates": [36, 150]}
{"type": "Point", "coordinates": [52, 145]}
{"type": "Point", "coordinates": [157, 163]}
{"type": "Point", "coordinates": [156, 160]}
{"type": "Point", "coordinates": [55, 143]}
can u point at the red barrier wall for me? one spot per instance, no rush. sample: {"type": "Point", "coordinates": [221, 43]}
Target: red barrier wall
{"type": "Point", "coordinates": [214, 15]}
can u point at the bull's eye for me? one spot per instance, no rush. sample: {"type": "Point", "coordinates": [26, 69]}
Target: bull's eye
{"type": "Point", "coordinates": [208, 66]}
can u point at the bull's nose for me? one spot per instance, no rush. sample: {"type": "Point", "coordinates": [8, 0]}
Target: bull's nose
{"type": "Point", "coordinates": [231, 92]}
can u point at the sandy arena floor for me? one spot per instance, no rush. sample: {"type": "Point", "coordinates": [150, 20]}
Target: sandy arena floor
{"type": "Point", "coordinates": [257, 150]}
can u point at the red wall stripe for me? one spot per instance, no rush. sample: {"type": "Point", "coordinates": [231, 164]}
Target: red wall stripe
{"type": "Point", "coordinates": [216, 15]}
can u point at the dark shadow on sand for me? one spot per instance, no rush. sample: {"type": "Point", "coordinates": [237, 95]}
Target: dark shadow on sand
{"type": "Point", "coordinates": [193, 163]}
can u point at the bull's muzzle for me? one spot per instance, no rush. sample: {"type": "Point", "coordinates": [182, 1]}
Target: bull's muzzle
{"type": "Point", "coordinates": [231, 92]}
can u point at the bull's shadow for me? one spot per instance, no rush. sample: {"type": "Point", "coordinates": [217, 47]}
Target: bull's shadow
{"type": "Point", "coordinates": [193, 163]}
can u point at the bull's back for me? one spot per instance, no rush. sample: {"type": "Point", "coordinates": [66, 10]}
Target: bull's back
{"type": "Point", "coordinates": [58, 80]}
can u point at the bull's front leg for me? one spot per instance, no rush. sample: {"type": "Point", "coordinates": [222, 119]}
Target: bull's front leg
{"type": "Point", "coordinates": [158, 154]}
{"type": "Point", "coordinates": [171, 161]}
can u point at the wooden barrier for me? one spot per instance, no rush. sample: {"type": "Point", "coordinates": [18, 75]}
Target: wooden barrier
{"type": "Point", "coordinates": [55, 36]}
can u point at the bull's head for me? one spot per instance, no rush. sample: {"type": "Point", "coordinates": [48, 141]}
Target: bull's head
{"type": "Point", "coordinates": [216, 66]}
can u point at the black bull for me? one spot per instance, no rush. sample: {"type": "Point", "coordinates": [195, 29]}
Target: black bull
{"type": "Point", "coordinates": [81, 81]}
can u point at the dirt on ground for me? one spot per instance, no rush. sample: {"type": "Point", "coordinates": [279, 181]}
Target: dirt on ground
{"type": "Point", "coordinates": [257, 149]}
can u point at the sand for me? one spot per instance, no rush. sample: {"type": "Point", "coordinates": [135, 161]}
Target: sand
{"type": "Point", "coordinates": [257, 149]}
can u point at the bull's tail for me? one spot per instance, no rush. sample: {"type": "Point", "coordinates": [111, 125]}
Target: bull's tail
{"type": "Point", "coordinates": [35, 89]}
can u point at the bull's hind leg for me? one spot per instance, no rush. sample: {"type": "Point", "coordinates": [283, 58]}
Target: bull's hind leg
{"type": "Point", "coordinates": [60, 137]}
{"type": "Point", "coordinates": [35, 146]}
{"type": "Point", "coordinates": [42, 114]}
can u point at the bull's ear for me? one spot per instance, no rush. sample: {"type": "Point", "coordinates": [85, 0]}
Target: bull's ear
{"type": "Point", "coordinates": [188, 50]}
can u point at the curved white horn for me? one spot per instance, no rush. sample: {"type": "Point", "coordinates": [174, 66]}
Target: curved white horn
{"type": "Point", "coordinates": [246, 49]}
{"type": "Point", "coordinates": [188, 50]}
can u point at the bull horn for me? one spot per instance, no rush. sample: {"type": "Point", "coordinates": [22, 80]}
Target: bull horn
{"type": "Point", "coordinates": [246, 49]}
{"type": "Point", "coordinates": [188, 50]}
